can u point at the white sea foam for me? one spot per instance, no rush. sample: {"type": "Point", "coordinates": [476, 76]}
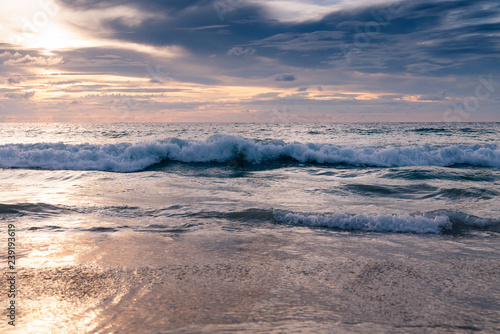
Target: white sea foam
{"type": "Point", "coordinates": [381, 222]}
{"type": "Point", "coordinates": [126, 157]}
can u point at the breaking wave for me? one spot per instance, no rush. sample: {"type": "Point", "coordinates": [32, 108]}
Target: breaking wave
{"type": "Point", "coordinates": [432, 222]}
{"type": "Point", "coordinates": [127, 157]}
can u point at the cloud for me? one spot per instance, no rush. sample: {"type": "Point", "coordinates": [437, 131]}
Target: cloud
{"type": "Point", "coordinates": [433, 97]}
{"type": "Point", "coordinates": [317, 40]}
{"type": "Point", "coordinates": [216, 26]}
{"type": "Point", "coordinates": [424, 67]}
{"type": "Point", "coordinates": [285, 77]}
{"type": "Point", "coordinates": [428, 37]}
{"type": "Point", "coordinates": [64, 83]}
{"type": "Point", "coordinates": [239, 51]}
{"type": "Point", "coordinates": [14, 80]}
{"type": "Point", "coordinates": [24, 96]}
{"type": "Point", "coordinates": [8, 55]}
{"type": "Point", "coordinates": [266, 95]}
{"type": "Point", "coordinates": [431, 37]}
{"type": "Point", "coordinates": [362, 54]}
{"type": "Point", "coordinates": [27, 60]}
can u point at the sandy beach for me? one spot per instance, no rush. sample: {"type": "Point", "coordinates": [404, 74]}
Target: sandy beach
{"type": "Point", "coordinates": [261, 280]}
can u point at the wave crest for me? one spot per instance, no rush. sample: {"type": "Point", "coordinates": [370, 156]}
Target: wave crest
{"type": "Point", "coordinates": [431, 222]}
{"type": "Point", "coordinates": [126, 157]}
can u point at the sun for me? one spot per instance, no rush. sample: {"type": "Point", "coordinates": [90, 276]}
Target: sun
{"type": "Point", "coordinates": [37, 24]}
{"type": "Point", "coordinates": [54, 37]}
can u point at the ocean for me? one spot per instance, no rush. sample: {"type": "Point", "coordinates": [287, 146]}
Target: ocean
{"type": "Point", "coordinates": [237, 227]}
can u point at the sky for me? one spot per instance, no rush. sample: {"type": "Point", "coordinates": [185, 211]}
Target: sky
{"type": "Point", "coordinates": [249, 61]}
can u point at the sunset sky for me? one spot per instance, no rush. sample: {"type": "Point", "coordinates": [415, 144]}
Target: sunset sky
{"type": "Point", "coordinates": [249, 60]}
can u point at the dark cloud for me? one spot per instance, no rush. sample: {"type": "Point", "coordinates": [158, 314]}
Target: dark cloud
{"type": "Point", "coordinates": [171, 6]}
{"type": "Point", "coordinates": [193, 24]}
{"type": "Point", "coordinates": [439, 37]}
{"type": "Point", "coordinates": [391, 97]}
{"type": "Point", "coordinates": [8, 90]}
{"type": "Point", "coordinates": [285, 77]}
{"type": "Point", "coordinates": [13, 81]}
{"type": "Point", "coordinates": [433, 36]}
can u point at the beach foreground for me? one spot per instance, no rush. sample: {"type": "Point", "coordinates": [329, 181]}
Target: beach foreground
{"type": "Point", "coordinates": [259, 280]}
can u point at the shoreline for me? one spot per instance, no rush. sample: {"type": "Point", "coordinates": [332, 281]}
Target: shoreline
{"type": "Point", "coordinates": [283, 279]}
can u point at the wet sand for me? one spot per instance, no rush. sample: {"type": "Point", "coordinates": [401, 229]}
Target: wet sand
{"type": "Point", "coordinates": [254, 280]}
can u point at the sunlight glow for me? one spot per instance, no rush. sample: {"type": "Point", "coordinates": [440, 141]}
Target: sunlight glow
{"type": "Point", "coordinates": [56, 37]}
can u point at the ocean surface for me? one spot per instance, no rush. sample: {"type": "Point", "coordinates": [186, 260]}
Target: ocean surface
{"type": "Point", "coordinates": [409, 212]}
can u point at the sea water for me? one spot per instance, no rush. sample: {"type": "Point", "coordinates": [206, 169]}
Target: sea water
{"type": "Point", "coordinates": [348, 227]}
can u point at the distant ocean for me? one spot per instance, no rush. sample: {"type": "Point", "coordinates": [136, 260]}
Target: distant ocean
{"type": "Point", "coordinates": [419, 191]}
